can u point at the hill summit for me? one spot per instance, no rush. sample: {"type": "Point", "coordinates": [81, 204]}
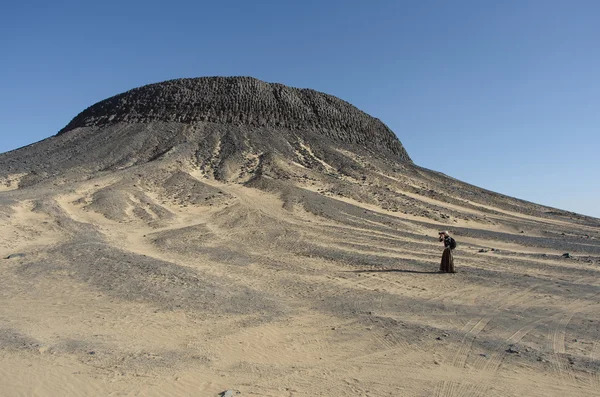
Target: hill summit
{"type": "Point", "coordinates": [242, 101]}
{"type": "Point", "coordinates": [231, 128]}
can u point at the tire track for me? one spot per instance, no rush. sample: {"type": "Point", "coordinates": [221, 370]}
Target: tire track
{"type": "Point", "coordinates": [556, 344]}
{"type": "Point", "coordinates": [556, 341]}
{"type": "Point", "coordinates": [471, 330]}
{"type": "Point", "coordinates": [499, 355]}
{"type": "Point", "coordinates": [595, 356]}
{"type": "Point", "coordinates": [491, 361]}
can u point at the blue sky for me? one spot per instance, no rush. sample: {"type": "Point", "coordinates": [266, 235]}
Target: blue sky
{"type": "Point", "coordinates": [503, 95]}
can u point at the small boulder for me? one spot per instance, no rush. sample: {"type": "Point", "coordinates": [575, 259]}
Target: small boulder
{"type": "Point", "coordinates": [566, 255]}
{"type": "Point", "coordinates": [229, 393]}
{"type": "Point", "coordinates": [13, 256]}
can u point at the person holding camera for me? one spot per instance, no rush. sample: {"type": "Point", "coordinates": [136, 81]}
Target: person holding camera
{"type": "Point", "coordinates": [447, 265]}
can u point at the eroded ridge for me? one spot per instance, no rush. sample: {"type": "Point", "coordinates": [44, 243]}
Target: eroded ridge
{"type": "Point", "coordinates": [241, 101]}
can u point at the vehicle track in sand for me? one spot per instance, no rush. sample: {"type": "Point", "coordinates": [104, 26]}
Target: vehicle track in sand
{"type": "Point", "coordinates": [458, 359]}
{"type": "Point", "coordinates": [497, 352]}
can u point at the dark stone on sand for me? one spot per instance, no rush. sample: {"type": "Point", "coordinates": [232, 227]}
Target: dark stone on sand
{"type": "Point", "coordinates": [13, 256]}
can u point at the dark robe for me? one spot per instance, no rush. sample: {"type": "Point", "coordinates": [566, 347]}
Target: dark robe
{"type": "Point", "coordinates": [447, 265]}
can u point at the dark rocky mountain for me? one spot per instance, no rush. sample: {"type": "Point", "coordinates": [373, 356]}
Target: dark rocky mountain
{"type": "Point", "coordinates": [243, 130]}
{"type": "Point", "coordinates": [242, 101]}
{"type": "Point", "coordinates": [215, 122]}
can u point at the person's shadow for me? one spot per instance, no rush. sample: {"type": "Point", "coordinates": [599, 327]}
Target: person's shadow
{"type": "Point", "coordinates": [395, 271]}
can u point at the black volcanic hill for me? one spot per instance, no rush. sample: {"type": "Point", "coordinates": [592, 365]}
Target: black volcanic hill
{"type": "Point", "coordinates": [230, 127]}
{"type": "Point", "coordinates": [246, 131]}
{"type": "Point", "coordinates": [242, 101]}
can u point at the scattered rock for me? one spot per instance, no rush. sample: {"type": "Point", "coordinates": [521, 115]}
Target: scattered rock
{"type": "Point", "coordinates": [229, 393]}
{"type": "Point", "coordinates": [483, 250]}
{"type": "Point", "coordinates": [513, 350]}
{"type": "Point", "coordinates": [13, 256]}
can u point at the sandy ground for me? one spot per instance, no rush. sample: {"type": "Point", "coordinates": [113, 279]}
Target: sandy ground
{"type": "Point", "coordinates": [159, 296]}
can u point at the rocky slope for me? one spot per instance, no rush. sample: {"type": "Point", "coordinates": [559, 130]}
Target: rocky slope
{"type": "Point", "coordinates": [241, 129]}
{"type": "Point", "coordinates": [242, 101]}
{"type": "Point", "coordinates": [220, 123]}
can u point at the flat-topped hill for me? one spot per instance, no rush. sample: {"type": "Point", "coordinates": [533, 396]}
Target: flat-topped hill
{"type": "Point", "coordinates": [242, 101]}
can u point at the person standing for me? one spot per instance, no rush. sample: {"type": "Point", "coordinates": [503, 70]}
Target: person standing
{"type": "Point", "coordinates": [447, 265]}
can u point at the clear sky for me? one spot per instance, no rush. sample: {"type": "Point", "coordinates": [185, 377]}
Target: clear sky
{"type": "Point", "coordinates": [501, 94]}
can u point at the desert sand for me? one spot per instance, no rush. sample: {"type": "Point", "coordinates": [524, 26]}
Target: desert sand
{"type": "Point", "coordinates": [251, 308]}
{"type": "Point", "coordinates": [164, 278]}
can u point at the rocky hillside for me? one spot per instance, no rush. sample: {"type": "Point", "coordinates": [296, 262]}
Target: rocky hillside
{"type": "Point", "coordinates": [228, 127]}
{"type": "Point", "coordinates": [268, 136]}
{"type": "Point", "coordinates": [242, 101]}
